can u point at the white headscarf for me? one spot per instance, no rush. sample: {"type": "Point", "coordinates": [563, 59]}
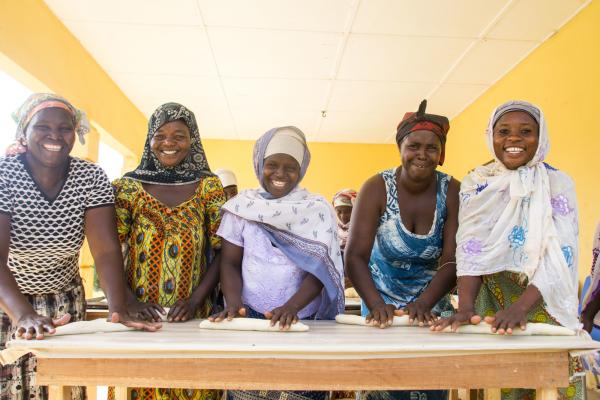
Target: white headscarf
{"type": "Point", "coordinates": [524, 221]}
{"type": "Point", "coordinates": [227, 177]}
{"type": "Point", "coordinates": [287, 141]}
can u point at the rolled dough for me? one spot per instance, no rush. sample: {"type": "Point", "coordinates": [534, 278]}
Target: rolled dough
{"type": "Point", "coordinates": [532, 328]}
{"type": "Point", "coordinates": [358, 320]}
{"type": "Point", "coordinates": [251, 324]}
{"type": "Point", "coordinates": [483, 328]}
{"type": "Point", "coordinates": [99, 325]}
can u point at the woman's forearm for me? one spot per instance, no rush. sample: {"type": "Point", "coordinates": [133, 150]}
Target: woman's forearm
{"type": "Point", "coordinates": [361, 278]}
{"type": "Point", "coordinates": [12, 301]}
{"type": "Point", "coordinates": [209, 280]}
{"type": "Point", "coordinates": [231, 283]}
{"type": "Point", "coordinates": [468, 289]}
{"type": "Point", "coordinates": [308, 290]}
{"type": "Point", "coordinates": [442, 283]}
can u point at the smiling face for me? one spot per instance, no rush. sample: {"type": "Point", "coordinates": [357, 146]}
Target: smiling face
{"type": "Point", "coordinates": [420, 152]}
{"type": "Point", "coordinates": [281, 173]}
{"type": "Point", "coordinates": [50, 136]}
{"type": "Point", "coordinates": [171, 143]}
{"type": "Point", "coordinates": [515, 138]}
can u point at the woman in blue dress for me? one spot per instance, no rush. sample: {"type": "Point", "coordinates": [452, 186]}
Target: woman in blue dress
{"type": "Point", "coordinates": [400, 254]}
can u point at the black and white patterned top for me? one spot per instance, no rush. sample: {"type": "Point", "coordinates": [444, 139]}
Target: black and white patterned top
{"type": "Point", "coordinates": [46, 234]}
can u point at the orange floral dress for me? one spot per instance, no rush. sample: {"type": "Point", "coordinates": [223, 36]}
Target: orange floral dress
{"type": "Point", "coordinates": [166, 251]}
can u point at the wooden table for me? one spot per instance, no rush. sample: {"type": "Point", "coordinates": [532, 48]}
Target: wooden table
{"type": "Point", "coordinates": [328, 357]}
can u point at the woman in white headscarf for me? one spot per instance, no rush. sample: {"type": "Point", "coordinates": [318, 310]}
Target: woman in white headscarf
{"type": "Point", "coordinates": [517, 241]}
{"type": "Point", "coordinates": [280, 256]}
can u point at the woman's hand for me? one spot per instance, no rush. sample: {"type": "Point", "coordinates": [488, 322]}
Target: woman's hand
{"type": "Point", "coordinates": [382, 315]}
{"type": "Point", "coordinates": [131, 321]}
{"type": "Point", "coordinates": [182, 310]}
{"type": "Point", "coordinates": [419, 312]}
{"type": "Point", "coordinates": [506, 320]}
{"type": "Point", "coordinates": [34, 326]}
{"type": "Point", "coordinates": [230, 312]}
{"type": "Point", "coordinates": [286, 315]}
{"type": "Point", "coordinates": [145, 311]}
{"type": "Point", "coordinates": [458, 319]}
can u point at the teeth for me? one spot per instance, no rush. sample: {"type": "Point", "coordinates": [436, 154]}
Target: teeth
{"type": "Point", "coordinates": [52, 147]}
{"type": "Point", "coordinates": [278, 184]}
{"type": "Point", "coordinates": [514, 150]}
{"type": "Point", "coordinates": [169, 152]}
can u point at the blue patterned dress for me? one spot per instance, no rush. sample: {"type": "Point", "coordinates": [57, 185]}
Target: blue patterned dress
{"type": "Point", "coordinates": [403, 263]}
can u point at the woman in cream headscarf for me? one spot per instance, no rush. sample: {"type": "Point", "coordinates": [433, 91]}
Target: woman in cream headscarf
{"type": "Point", "coordinates": [280, 256]}
{"type": "Point", "coordinates": [517, 241]}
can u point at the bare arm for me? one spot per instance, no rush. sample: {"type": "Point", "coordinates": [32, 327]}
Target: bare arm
{"type": "Point", "coordinates": [231, 281]}
{"type": "Point", "coordinates": [29, 324]}
{"type": "Point", "coordinates": [101, 232]}
{"type": "Point", "coordinates": [367, 210]}
{"type": "Point", "coordinates": [11, 299]}
{"type": "Point", "coordinates": [445, 278]}
{"type": "Point", "coordinates": [468, 289]}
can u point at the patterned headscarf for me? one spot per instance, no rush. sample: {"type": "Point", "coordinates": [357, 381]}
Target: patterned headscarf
{"type": "Point", "coordinates": [191, 169]}
{"type": "Point", "coordinates": [260, 148]}
{"type": "Point", "coordinates": [344, 197]}
{"type": "Point", "coordinates": [36, 103]}
{"type": "Point", "coordinates": [418, 121]}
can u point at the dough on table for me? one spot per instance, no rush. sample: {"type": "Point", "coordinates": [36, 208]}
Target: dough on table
{"type": "Point", "coordinates": [532, 328]}
{"type": "Point", "coordinates": [358, 320]}
{"type": "Point", "coordinates": [351, 293]}
{"type": "Point", "coordinates": [251, 324]}
{"type": "Point", "coordinates": [99, 325]}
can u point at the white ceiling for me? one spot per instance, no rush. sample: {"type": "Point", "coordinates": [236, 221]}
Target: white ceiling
{"type": "Point", "coordinates": [245, 66]}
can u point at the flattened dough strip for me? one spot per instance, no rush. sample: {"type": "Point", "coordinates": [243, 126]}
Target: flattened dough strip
{"type": "Point", "coordinates": [251, 324]}
{"type": "Point", "coordinates": [483, 328]}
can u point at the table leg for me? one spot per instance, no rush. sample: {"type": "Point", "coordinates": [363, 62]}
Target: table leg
{"type": "Point", "coordinates": [546, 394]}
{"type": "Point", "coordinates": [92, 392]}
{"type": "Point", "coordinates": [59, 392]}
{"type": "Point", "coordinates": [121, 393]}
{"type": "Point", "coordinates": [492, 394]}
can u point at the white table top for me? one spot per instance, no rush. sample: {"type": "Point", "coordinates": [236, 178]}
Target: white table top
{"type": "Point", "coordinates": [325, 340]}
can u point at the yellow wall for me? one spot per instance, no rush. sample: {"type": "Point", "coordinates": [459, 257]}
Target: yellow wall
{"type": "Point", "coordinates": [35, 40]}
{"type": "Point", "coordinates": [562, 76]}
{"type": "Point", "coordinates": [37, 50]}
{"type": "Point", "coordinates": [333, 166]}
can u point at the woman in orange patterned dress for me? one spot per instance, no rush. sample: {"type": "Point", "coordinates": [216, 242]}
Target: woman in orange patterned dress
{"type": "Point", "coordinates": [168, 212]}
